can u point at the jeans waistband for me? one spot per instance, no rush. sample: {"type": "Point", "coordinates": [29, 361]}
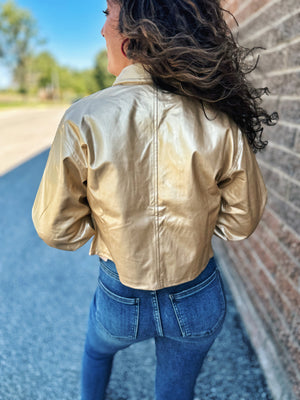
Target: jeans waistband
{"type": "Point", "coordinates": [109, 267]}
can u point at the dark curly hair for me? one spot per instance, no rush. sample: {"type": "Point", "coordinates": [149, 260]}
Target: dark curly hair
{"type": "Point", "coordinates": [188, 49]}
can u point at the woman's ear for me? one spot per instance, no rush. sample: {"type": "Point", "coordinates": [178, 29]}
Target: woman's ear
{"type": "Point", "coordinates": [122, 47]}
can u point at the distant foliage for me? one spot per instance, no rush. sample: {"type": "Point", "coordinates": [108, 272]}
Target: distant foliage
{"type": "Point", "coordinates": [103, 78]}
{"type": "Point", "coordinates": [39, 73]}
{"type": "Point", "coordinates": [52, 80]}
{"type": "Point", "coordinates": [18, 36]}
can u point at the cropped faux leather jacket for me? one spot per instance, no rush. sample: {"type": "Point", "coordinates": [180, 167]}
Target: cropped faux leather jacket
{"type": "Point", "coordinates": [150, 176]}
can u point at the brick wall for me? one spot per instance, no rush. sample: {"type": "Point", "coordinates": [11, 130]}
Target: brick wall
{"type": "Point", "coordinates": [264, 270]}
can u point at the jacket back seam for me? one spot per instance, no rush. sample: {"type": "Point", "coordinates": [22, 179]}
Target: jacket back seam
{"type": "Point", "coordinates": [156, 209]}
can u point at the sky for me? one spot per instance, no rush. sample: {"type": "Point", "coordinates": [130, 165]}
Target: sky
{"type": "Point", "coordinates": [71, 29]}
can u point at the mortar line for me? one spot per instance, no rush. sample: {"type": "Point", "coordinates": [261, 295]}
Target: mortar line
{"type": "Point", "coordinates": [290, 204]}
{"type": "Point", "coordinates": [281, 46]}
{"type": "Point", "coordinates": [257, 14]}
{"type": "Point", "coordinates": [283, 71]}
{"type": "Point", "coordinates": [279, 172]}
{"type": "Point", "coordinates": [271, 26]}
{"type": "Point", "coordinates": [284, 149]}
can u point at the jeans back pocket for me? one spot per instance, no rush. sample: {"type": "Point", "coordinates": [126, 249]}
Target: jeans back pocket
{"type": "Point", "coordinates": [200, 310]}
{"type": "Point", "coordinates": [118, 315]}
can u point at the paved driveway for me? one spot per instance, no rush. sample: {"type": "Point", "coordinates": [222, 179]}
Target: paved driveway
{"type": "Point", "coordinates": [25, 132]}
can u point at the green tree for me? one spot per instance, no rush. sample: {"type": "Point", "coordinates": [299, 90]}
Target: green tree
{"type": "Point", "coordinates": [42, 69]}
{"type": "Point", "coordinates": [18, 32]}
{"type": "Point", "coordinates": [46, 73]}
{"type": "Point", "coordinates": [90, 81]}
{"type": "Point", "coordinates": [103, 77]}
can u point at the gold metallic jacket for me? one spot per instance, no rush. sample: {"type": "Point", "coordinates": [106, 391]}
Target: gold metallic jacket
{"type": "Point", "coordinates": [151, 179]}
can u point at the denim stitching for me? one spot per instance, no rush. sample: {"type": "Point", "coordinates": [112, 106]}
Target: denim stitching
{"type": "Point", "coordinates": [178, 316]}
{"type": "Point", "coordinates": [195, 289]}
{"type": "Point", "coordinates": [133, 301]}
{"type": "Point", "coordinates": [156, 314]}
{"type": "Point", "coordinates": [184, 327]}
{"type": "Point", "coordinates": [120, 299]}
{"type": "Point", "coordinates": [137, 317]}
{"type": "Point", "coordinates": [130, 337]}
{"type": "Point", "coordinates": [220, 320]}
{"type": "Point", "coordinates": [109, 272]}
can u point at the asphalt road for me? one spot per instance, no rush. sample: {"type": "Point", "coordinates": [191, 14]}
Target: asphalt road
{"type": "Point", "coordinates": [44, 301]}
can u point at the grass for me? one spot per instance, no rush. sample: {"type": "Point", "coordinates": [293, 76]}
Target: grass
{"type": "Point", "coordinates": [18, 104]}
{"type": "Point", "coordinates": [10, 100]}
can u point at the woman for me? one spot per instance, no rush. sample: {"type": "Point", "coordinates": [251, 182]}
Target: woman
{"type": "Point", "coordinates": [151, 168]}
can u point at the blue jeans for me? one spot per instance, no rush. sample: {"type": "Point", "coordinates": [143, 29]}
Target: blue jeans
{"type": "Point", "coordinates": [184, 320]}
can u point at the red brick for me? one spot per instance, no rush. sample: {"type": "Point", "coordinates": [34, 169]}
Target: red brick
{"type": "Point", "coordinates": [271, 104]}
{"type": "Point", "coordinates": [268, 317]}
{"type": "Point", "coordinates": [276, 323]}
{"type": "Point", "coordinates": [281, 134]}
{"type": "Point", "coordinates": [291, 242]}
{"type": "Point", "coordinates": [269, 261]}
{"type": "Point", "coordinates": [281, 257]}
{"type": "Point", "coordinates": [297, 143]}
{"type": "Point", "coordinates": [293, 55]}
{"type": "Point", "coordinates": [266, 290]}
{"type": "Point", "coordinates": [254, 6]}
{"type": "Point", "coordinates": [265, 258]}
{"type": "Point", "coordinates": [290, 366]}
{"type": "Point", "coordinates": [284, 234]}
{"type": "Point", "coordinates": [245, 269]}
{"type": "Point", "coordinates": [283, 306]}
{"type": "Point", "coordinates": [250, 261]}
{"type": "Point", "coordinates": [231, 5]}
{"type": "Point", "coordinates": [285, 355]}
{"type": "Point", "coordinates": [289, 110]}
{"type": "Point", "coordinates": [294, 194]}
{"type": "Point", "coordinates": [263, 290]}
{"type": "Point", "coordinates": [285, 84]}
{"type": "Point", "coordinates": [289, 290]}
{"type": "Point", "coordinates": [285, 211]}
{"type": "Point", "coordinates": [293, 375]}
{"type": "Point", "coordinates": [285, 161]}
{"type": "Point", "coordinates": [276, 181]}
{"type": "Point", "coordinates": [288, 57]}
{"type": "Point", "coordinates": [296, 327]}
{"type": "Point", "coordinates": [289, 214]}
{"type": "Point", "coordinates": [294, 351]}
{"type": "Point", "coordinates": [287, 29]}
{"type": "Point", "coordinates": [262, 286]}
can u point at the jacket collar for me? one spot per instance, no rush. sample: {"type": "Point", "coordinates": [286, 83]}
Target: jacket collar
{"type": "Point", "coordinates": [133, 74]}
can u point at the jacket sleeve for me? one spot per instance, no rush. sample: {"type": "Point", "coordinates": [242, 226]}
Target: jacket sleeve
{"type": "Point", "coordinates": [243, 194]}
{"type": "Point", "coordinates": [61, 213]}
